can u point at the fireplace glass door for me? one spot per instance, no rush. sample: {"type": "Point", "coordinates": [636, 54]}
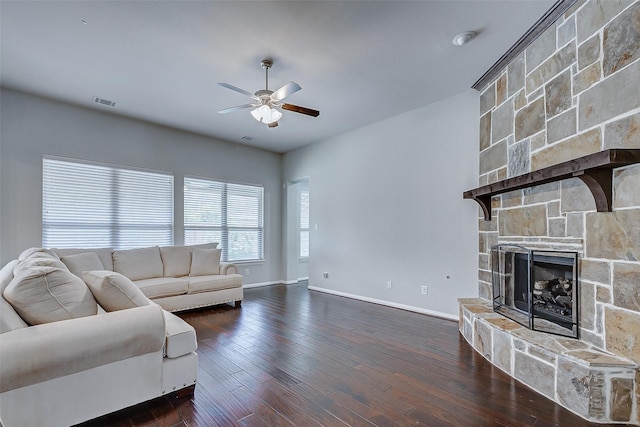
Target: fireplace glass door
{"type": "Point", "coordinates": [536, 288]}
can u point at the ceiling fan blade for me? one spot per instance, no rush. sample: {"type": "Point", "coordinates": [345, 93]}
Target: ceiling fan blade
{"type": "Point", "coordinates": [301, 110]}
{"type": "Point", "coordinates": [285, 91]}
{"type": "Point", "coordinates": [236, 108]}
{"type": "Point", "coordinates": [237, 89]}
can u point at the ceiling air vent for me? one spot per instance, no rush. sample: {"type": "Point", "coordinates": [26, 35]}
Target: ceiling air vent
{"type": "Point", "coordinates": [246, 138]}
{"type": "Point", "coordinates": [103, 101]}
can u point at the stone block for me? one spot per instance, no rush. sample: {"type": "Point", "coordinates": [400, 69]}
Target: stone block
{"type": "Point", "coordinates": [626, 187]}
{"type": "Point", "coordinates": [595, 271]}
{"type": "Point", "coordinates": [603, 294]}
{"type": "Point", "coordinates": [587, 306]}
{"type": "Point", "coordinates": [542, 193]}
{"type": "Point", "coordinates": [482, 338]}
{"type": "Point", "coordinates": [502, 173]}
{"type": "Point", "coordinates": [566, 31]}
{"type": "Point", "coordinates": [502, 122]}
{"type": "Point", "coordinates": [542, 48]}
{"type": "Point", "coordinates": [501, 89]}
{"type": "Point", "coordinates": [615, 95]}
{"type": "Point", "coordinates": [587, 78]}
{"type": "Point", "coordinates": [589, 52]}
{"type": "Point", "coordinates": [484, 275]}
{"type": "Point", "coordinates": [562, 126]}
{"type": "Point", "coordinates": [623, 333]}
{"type": "Point", "coordinates": [518, 158]}
{"type": "Point", "coordinates": [621, 40]}
{"type": "Point", "coordinates": [487, 225]}
{"type": "Point", "coordinates": [520, 100]}
{"type": "Point", "coordinates": [530, 120]}
{"type": "Point", "coordinates": [485, 131]}
{"type": "Point", "coordinates": [623, 133]}
{"type": "Point", "coordinates": [575, 224]}
{"type": "Point", "coordinates": [538, 141]}
{"type": "Point", "coordinates": [621, 399]}
{"type": "Point", "coordinates": [588, 142]}
{"type": "Point", "coordinates": [502, 351]}
{"type": "Point", "coordinates": [614, 235]}
{"type": "Point", "coordinates": [525, 221]}
{"type": "Point", "coordinates": [591, 338]}
{"type": "Point", "coordinates": [553, 209]}
{"type": "Point", "coordinates": [542, 353]}
{"type": "Point", "coordinates": [493, 157]}
{"type": "Point", "coordinates": [557, 94]}
{"type": "Point", "coordinates": [515, 76]}
{"type": "Point", "coordinates": [484, 290]}
{"type": "Point", "coordinates": [557, 227]}
{"type": "Point", "coordinates": [483, 261]}
{"type": "Point", "coordinates": [576, 196]}
{"type": "Point", "coordinates": [595, 14]}
{"type": "Point", "coordinates": [552, 66]}
{"type": "Point", "coordinates": [573, 385]}
{"type": "Point", "coordinates": [536, 374]}
{"type": "Point", "coordinates": [512, 199]}
{"type": "Point", "coordinates": [626, 285]}
{"type": "Point", "coordinates": [488, 99]}
{"type": "Point", "coordinates": [577, 5]}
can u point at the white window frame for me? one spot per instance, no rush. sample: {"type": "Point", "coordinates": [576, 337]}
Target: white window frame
{"type": "Point", "coordinates": [303, 223]}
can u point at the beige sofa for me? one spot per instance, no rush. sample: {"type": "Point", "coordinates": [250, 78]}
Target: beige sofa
{"type": "Point", "coordinates": [72, 350]}
{"type": "Point", "coordinates": [176, 277]}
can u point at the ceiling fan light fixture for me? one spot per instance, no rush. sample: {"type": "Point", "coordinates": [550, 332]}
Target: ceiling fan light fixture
{"type": "Point", "coordinates": [266, 114]}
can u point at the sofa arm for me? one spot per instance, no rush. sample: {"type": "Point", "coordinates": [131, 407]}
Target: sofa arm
{"type": "Point", "coordinates": [52, 350]}
{"type": "Point", "coordinates": [228, 268]}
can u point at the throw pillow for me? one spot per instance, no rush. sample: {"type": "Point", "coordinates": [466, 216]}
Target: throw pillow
{"type": "Point", "coordinates": [37, 261]}
{"type": "Point", "coordinates": [79, 263]}
{"type": "Point", "coordinates": [114, 291]}
{"type": "Point", "coordinates": [176, 260]}
{"type": "Point", "coordinates": [138, 264]}
{"type": "Point", "coordinates": [205, 262]}
{"type": "Point", "coordinates": [49, 294]}
{"type": "Point", "coordinates": [41, 252]}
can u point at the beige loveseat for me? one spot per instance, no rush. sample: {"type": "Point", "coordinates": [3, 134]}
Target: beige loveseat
{"type": "Point", "coordinates": [72, 350]}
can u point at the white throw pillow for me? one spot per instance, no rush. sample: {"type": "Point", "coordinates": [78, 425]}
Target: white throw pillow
{"type": "Point", "coordinates": [41, 252]}
{"type": "Point", "coordinates": [138, 264]}
{"type": "Point", "coordinates": [79, 263]}
{"type": "Point", "coordinates": [36, 260]}
{"type": "Point", "coordinates": [205, 262]}
{"type": "Point", "coordinates": [176, 260]}
{"type": "Point", "coordinates": [114, 291]}
{"type": "Point", "coordinates": [49, 294]}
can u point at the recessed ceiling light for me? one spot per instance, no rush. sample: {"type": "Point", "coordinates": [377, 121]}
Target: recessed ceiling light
{"type": "Point", "coordinates": [464, 38]}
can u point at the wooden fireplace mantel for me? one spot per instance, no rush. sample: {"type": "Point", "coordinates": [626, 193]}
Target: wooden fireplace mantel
{"type": "Point", "coordinates": [595, 170]}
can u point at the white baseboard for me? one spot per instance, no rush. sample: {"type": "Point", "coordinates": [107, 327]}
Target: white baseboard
{"type": "Point", "coordinates": [259, 285]}
{"type": "Point", "coordinates": [433, 313]}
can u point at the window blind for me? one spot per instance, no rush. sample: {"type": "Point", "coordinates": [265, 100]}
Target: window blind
{"type": "Point", "coordinates": [88, 205]}
{"type": "Point", "coordinates": [230, 214]}
{"type": "Point", "coordinates": [304, 224]}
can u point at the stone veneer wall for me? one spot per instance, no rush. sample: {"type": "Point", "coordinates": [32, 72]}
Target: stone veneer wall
{"type": "Point", "coordinates": [574, 91]}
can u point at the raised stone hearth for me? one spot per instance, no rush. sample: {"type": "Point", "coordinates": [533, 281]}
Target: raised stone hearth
{"type": "Point", "coordinates": [597, 385]}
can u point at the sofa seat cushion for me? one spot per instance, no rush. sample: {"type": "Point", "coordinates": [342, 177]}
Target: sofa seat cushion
{"type": "Point", "coordinates": [163, 286]}
{"type": "Point", "coordinates": [213, 282]}
{"type": "Point", "coordinates": [180, 336]}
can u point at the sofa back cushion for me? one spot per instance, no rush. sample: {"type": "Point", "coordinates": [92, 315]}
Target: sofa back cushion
{"type": "Point", "coordinates": [138, 264]}
{"type": "Point", "coordinates": [105, 254]}
{"type": "Point", "coordinates": [205, 262]}
{"type": "Point", "coordinates": [9, 319]}
{"type": "Point", "coordinates": [176, 260]}
{"type": "Point", "coordinates": [49, 294]}
{"type": "Point", "coordinates": [113, 291]}
{"type": "Point", "coordinates": [79, 263]}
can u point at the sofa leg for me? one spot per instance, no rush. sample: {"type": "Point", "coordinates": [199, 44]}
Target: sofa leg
{"type": "Point", "coordinates": [238, 303]}
{"type": "Point", "coordinates": [183, 393]}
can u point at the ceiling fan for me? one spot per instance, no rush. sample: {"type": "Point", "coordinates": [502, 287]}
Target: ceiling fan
{"type": "Point", "coordinates": [267, 103]}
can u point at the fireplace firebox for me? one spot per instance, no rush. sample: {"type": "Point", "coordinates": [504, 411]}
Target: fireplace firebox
{"type": "Point", "coordinates": [536, 288]}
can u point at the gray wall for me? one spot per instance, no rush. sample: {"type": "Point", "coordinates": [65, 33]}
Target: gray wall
{"type": "Point", "coordinates": [32, 127]}
{"type": "Point", "coordinates": [387, 202]}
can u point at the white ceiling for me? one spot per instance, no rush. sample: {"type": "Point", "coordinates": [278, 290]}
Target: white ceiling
{"type": "Point", "coordinates": [358, 62]}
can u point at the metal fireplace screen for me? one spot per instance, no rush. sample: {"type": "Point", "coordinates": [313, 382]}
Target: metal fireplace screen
{"type": "Point", "coordinates": [536, 288]}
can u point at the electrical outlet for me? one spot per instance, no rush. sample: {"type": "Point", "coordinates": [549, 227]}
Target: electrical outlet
{"type": "Point", "coordinates": [389, 284]}
{"type": "Point", "coordinates": [424, 290]}
{"type": "Point", "coordinates": [325, 275]}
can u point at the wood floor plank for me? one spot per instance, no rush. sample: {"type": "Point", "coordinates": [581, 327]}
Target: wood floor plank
{"type": "Point", "coordinates": [294, 357]}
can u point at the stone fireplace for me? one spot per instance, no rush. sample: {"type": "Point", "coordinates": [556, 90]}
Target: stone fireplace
{"type": "Point", "coordinates": [572, 93]}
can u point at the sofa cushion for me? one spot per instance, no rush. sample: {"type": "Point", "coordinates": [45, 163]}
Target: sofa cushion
{"type": "Point", "coordinates": [138, 264]}
{"type": "Point", "coordinates": [79, 263]}
{"type": "Point", "coordinates": [162, 287]}
{"type": "Point", "coordinates": [27, 253]}
{"type": "Point", "coordinates": [181, 337]}
{"type": "Point", "coordinates": [205, 262]}
{"type": "Point", "coordinates": [105, 254]}
{"type": "Point", "coordinates": [176, 260]}
{"type": "Point", "coordinates": [113, 291]}
{"type": "Point", "coordinates": [212, 245]}
{"type": "Point", "coordinates": [9, 319]}
{"type": "Point", "coordinates": [36, 260]}
{"type": "Point", "coordinates": [214, 282]}
{"type": "Point", "coordinates": [49, 294]}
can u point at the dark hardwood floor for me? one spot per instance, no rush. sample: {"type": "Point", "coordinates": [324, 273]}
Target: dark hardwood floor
{"type": "Point", "coordinates": [294, 357]}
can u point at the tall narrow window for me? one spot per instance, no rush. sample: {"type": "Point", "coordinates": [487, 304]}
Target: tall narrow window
{"type": "Point", "coordinates": [230, 214]}
{"type": "Point", "coordinates": [304, 223]}
{"type": "Point", "coordinates": [91, 205]}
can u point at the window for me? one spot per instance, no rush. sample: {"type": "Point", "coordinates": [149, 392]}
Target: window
{"type": "Point", "coordinates": [304, 223]}
{"type": "Point", "coordinates": [90, 205]}
{"type": "Point", "coordinates": [231, 214]}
